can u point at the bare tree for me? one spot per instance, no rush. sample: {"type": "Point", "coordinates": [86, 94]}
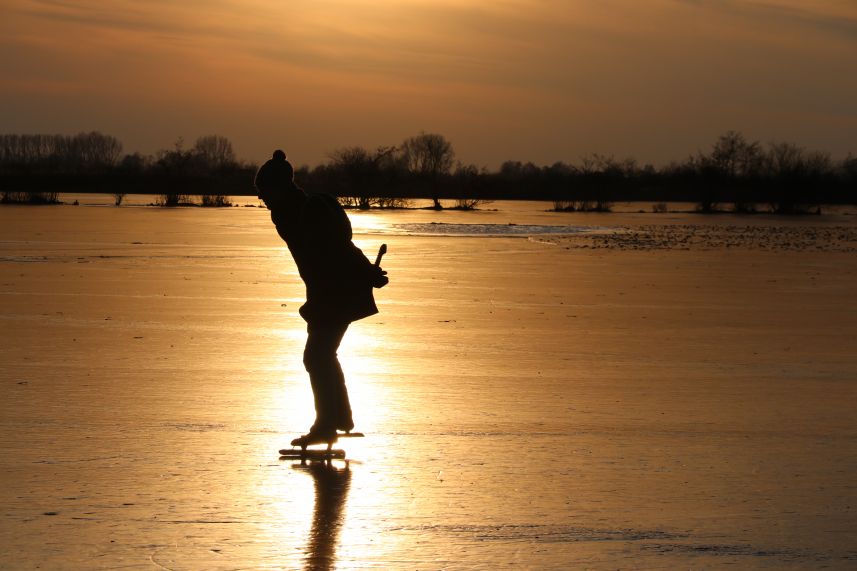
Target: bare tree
{"type": "Point", "coordinates": [214, 151]}
{"type": "Point", "coordinates": [360, 173]}
{"type": "Point", "coordinates": [84, 152]}
{"type": "Point", "coordinates": [353, 165]}
{"type": "Point", "coordinates": [727, 171]}
{"type": "Point", "coordinates": [784, 159]}
{"type": "Point", "coordinates": [468, 181]}
{"type": "Point", "coordinates": [848, 168]}
{"type": "Point", "coordinates": [796, 174]}
{"type": "Point", "coordinates": [599, 176]}
{"type": "Point", "coordinates": [97, 149]}
{"type": "Point", "coordinates": [734, 156]}
{"type": "Point", "coordinates": [429, 156]}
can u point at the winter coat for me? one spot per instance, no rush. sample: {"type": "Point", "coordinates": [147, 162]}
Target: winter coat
{"type": "Point", "coordinates": [337, 275]}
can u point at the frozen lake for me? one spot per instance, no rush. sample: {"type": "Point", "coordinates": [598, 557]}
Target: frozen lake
{"type": "Point", "coordinates": [540, 390]}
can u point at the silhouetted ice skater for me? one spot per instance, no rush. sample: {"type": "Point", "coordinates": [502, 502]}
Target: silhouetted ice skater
{"type": "Point", "coordinates": [339, 281]}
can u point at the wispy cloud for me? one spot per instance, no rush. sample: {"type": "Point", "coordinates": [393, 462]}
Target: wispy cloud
{"type": "Point", "coordinates": [332, 35]}
{"type": "Point", "coordinates": [834, 17]}
{"type": "Point", "coordinates": [565, 73]}
{"type": "Point", "coordinates": [155, 17]}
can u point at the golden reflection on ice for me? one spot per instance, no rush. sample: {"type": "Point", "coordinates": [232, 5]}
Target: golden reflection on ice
{"type": "Point", "coordinates": [368, 223]}
{"type": "Point", "coordinates": [317, 506]}
{"type": "Point", "coordinates": [331, 482]}
{"type": "Point", "coordinates": [525, 405]}
{"type": "Point", "coordinates": [309, 508]}
{"type": "Point", "coordinates": [362, 356]}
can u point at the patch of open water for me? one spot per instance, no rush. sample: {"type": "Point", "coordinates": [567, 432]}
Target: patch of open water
{"type": "Point", "coordinates": [509, 229]}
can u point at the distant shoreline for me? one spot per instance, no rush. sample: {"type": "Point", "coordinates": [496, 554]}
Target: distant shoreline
{"type": "Point", "coordinates": [736, 175]}
{"type": "Point", "coordinates": [647, 207]}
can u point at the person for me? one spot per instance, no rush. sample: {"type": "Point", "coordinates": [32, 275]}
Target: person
{"type": "Point", "coordinates": [339, 282]}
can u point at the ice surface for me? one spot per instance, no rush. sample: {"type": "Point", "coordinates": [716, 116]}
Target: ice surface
{"type": "Point", "coordinates": [527, 403]}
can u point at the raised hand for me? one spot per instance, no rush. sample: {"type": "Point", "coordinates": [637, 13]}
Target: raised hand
{"type": "Point", "coordinates": [379, 277]}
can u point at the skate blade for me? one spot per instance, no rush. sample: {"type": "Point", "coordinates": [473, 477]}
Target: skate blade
{"type": "Point", "coordinates": [325, 454]}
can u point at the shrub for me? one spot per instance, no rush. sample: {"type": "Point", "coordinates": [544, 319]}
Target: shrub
{"type": "Point", "coordinates": [172, 199]}
{"type": "Point", "coordinates": [215, 200]}
{"type": "Point", "coordinates": [29, 197]}
{"type": "Point", "coordinates": [470, 203]}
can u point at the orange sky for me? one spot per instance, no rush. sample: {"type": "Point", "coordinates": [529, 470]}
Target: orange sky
{"type": "Point", "coordinates": [503, 79]}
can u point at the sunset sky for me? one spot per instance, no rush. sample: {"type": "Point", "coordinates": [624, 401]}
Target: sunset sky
{"type": "Point", "coordinates": [528, 80]}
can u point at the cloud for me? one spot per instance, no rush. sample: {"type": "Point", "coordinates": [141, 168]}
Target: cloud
{"type": "Point", "coordinates": [553, 79]}
{"type": "Point", "coordinates": [828, 17]}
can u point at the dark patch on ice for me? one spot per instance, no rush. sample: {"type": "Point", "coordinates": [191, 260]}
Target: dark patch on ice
{"type": "Point", "coordinates": [745, 550]}
{"type": "Point", "coordinates": [23, 259]}
{"type": "Point", "coordinates": [716, 549]}
{"type": "Point", "coordinates": [657, 541]}
{"type": "Point", "coordinates": [195, 427]}
{"type": "Point", "coordinates": [543, 533]}
{"type": "Point", "coordinates": [444, 229]}
{"type": "Point", "coordinates": [75, 460]}
{"type": "Point", "coordinates": [705, 237]}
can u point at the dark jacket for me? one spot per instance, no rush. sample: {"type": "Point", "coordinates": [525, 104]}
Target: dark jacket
{"type": "Point", "coordinates": [337, 275]}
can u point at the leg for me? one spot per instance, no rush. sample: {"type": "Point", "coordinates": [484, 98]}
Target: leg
{"type": "Point", "coordinates": [332, 407]}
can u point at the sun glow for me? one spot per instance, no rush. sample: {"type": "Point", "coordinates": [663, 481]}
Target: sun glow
{"type": "Point", "coordinates": [580, 76]}
{"type": "Point", "coordinates": [363, 362]}
{"type": "Point", "coordinates": [310, 503]}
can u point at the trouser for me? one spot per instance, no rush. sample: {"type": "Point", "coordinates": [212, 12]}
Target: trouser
{"type": "Point", "coordinates": [332, 408]}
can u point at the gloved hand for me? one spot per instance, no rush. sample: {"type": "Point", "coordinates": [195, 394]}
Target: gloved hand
{"type": "Point", "coordinates": [379, 277]}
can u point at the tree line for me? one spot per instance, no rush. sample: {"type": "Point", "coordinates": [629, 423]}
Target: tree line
{"type": "Point", "coordinates": [735, 174]}
{"type": "Point", "coordinates": [35, 168]}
